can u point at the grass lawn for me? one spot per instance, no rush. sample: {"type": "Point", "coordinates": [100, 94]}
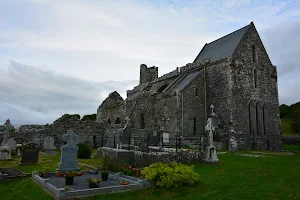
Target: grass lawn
{"type": "Point", "coordinates": [236, 177]}
{"type": "Point", "coordinates": [291, 147]}
{"type": "Point", "coordinates": [286, 127]}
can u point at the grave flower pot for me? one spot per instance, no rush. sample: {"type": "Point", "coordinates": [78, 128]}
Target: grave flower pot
{"type": "Point", "coordinates": [104, 175]}
{"type": "Point", "coordinates": [69, 180]}
{"type": "Point", "coordinates": [94, 182]}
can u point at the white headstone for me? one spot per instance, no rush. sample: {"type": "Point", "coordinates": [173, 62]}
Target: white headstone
{"type": "Point", "coordinates": [49, 143]}
{"type": "Point", "coordinates": [68, 159]}
{"type": "Point", "coordinates": [12, 144]}
{"type": "Point", "coordinates": [166, 137]}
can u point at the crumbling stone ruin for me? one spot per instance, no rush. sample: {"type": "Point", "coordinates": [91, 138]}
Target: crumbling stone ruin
{"type": "Point", "coordinates": [234, 73]}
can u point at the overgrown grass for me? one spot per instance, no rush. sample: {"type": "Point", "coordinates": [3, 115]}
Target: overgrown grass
{"type": "Point", "coordinates": [236, 177]}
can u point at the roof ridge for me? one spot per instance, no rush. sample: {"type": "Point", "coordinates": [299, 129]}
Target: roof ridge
{"type": "Point", "coordinates": [229, 34]}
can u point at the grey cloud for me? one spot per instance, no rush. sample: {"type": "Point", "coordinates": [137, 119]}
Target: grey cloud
{"type": "Point", "coordinates": [32, 94]}
{"type": "Point", "coordinates": [282, 44]}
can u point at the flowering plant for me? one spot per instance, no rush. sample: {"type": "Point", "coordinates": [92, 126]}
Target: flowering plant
{"type": "Point", "coordinates": [95, 180]}
{"type": "Point", "coordinates": [70, 174]}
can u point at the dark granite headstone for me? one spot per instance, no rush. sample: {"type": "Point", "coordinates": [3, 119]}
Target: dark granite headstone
{"type": "Point", "coordinates": [30, 154]}
{"type": "Point", "coordinates": [126, 134]}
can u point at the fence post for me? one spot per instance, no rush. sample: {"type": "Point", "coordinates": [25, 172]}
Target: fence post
{"type": "Point", "coordinates": [179, 142]}
{"type": "Point", "coordinates": [200, 144]}
{"type": "Point", "coordinates": [176, 143]}
{"type": "Point", "coordinates": [114, 141]}
{"type": "Point", "coordinates": [148, 143]}
{"type": "Point", "coordinates": [129, 142]}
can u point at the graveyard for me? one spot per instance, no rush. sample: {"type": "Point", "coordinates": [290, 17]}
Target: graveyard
{"type": "Point", "coordinates": [115, 170]}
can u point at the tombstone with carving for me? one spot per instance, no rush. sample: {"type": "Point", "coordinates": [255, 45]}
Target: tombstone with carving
{"type": "Point", "coordinates": [210, 150]}
{"type": "Point", "coordinates": [233, 147]}
{"type": "Point", "coordinates": [68, 159]}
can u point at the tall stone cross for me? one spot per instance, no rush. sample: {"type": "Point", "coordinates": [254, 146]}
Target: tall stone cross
{"type": "Point", "coordinates": [212, 108]}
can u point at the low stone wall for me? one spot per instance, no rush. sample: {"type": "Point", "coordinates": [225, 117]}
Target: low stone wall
{"type": "Point", "coordinates": [295, 140]}
{"type": "Point", "coordinates": [142, 159]}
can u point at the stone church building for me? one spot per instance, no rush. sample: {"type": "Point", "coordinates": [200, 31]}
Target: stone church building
{"type": "Point", "coordinates": [234, 73]}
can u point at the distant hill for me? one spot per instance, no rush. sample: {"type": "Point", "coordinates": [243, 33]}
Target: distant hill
{"type": "Point", "coordinates": [290, 118]}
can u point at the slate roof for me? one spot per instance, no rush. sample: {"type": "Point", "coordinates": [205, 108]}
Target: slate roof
{"type": "Point", "coordinates": [222, 47]}
{"type": "Point", "coordinates": [182, 81]}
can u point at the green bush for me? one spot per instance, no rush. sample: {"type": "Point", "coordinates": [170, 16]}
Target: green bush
{"type": "Point", "coordinates": [13, 153]}
{"type": "Point", "coordinates": [170, 175]}
{"type": "Point", "coordinates": [84, 150]}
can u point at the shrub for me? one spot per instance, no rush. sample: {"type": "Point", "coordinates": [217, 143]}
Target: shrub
{"type": "Point", "coordinates": [111, 163]}
{"type": "Point", "coordinates": [84, 150]}
{"type": "Point", "coordinates": [170, 175]}
{"type": "Point", "coordinates": [13, 153]}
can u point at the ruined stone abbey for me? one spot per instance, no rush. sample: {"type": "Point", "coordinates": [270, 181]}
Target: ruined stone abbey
{"type": "Point", "coordinates": [234, 73]}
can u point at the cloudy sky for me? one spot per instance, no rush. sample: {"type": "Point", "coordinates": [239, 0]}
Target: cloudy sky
{"type": "Point", "coordinates": [66, 56]}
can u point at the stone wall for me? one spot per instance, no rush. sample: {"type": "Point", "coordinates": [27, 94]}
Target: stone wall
{"type": "Point", "coordinates": [254, 93]}
{"type": "Point", "coordinates": [112, 110]}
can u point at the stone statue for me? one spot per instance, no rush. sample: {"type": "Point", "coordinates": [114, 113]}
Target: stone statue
{"type": "Point", "coordinates": [209, 128]}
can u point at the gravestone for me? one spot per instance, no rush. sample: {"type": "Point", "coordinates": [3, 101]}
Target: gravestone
{"type": "Point", "coordinates": [166, 137]}
{"type": "Point", "coordinates": [113, 138]}
{"type": "Point", "coordinates": [127, 133]}
{"type": "Point", "coordinates": [68, 159]}
{"type": "Point", "coordinates": [36, 141]}
{"type": "Point", "coordinates": [30, 154]}
{"type": "Point", "coordinates": [5, 153]}
{"type": "Point", "coordinates": [12, 144]}
{"type": "Point", "coordinates": [49, 143]}
{"type": "Point", "coordinates": [210, 151]}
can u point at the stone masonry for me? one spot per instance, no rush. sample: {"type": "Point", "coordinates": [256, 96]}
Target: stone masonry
{"type": "Point", "coordinates": [234, 73]}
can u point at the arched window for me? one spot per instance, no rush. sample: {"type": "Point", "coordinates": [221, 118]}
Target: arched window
{"type": "Point", "coordinates": [255, 77]}
{"type": "Point", "coordinates": [196, 92]}
{"type": "Point", "coordinates": [254, 54]}
{"type": "Point", "coordinates": [142, 121]}
{"type": "Point", "coordinates": [118, 121]}
{"type": "Point", "coordinates": [108, 121]}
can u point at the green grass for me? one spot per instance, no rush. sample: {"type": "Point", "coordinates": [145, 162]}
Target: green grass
{"type": "Point", "coordinates": [286, 127]}
{"type": "Point", "coordinates": [236, 177]}
{"type": "Point", "coordinates": [291, 147]}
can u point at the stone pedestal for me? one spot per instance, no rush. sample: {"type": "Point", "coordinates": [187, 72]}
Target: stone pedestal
{"type": "Point", "coordinates": [5, 153]}
{"type": "Point", "coordinates": [211, 155]}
